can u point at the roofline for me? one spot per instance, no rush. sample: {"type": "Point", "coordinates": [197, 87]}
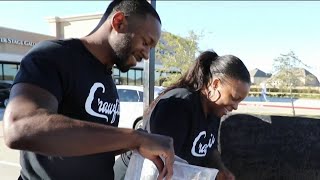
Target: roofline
{"type": "Point", "coordinates": [35, 33]}
{"type": "Point", "coordinates": [80, 17]}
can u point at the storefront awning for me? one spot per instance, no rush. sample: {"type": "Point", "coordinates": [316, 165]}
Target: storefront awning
{"type": "Point", "coordinates": [14, 58]}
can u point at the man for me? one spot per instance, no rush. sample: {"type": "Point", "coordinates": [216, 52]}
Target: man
{"type": "Point", "coordinates": [64, 107]}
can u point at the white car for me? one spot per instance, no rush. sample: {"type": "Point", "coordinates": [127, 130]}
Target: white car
{"type": "Point", "coordinates": [131, 105]}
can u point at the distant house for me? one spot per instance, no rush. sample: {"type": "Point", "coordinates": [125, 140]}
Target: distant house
{"type": "Point", "coordinates": [257, 76]}
{"type": "Point", "coordinates": [305, 78]}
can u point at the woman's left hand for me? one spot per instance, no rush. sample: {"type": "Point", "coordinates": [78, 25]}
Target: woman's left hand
{"type": "Point", "coordinates": [225, 174]}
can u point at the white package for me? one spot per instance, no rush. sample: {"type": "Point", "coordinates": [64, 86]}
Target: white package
{"type": "Point", "coordinates": [140, 168]}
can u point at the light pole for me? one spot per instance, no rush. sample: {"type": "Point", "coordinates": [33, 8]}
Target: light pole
{"type": "Point", "coordinates": [148, 74]}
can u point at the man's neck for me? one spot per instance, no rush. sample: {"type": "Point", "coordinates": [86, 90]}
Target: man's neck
{"type": "Point", "coordinates": [99, 50]}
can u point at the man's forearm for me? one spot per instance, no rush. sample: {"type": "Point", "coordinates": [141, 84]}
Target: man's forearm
{"type": "Point", "coordinates": [54, 134]}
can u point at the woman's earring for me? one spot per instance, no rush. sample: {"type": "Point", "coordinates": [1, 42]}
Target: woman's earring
{"type": "Point", "coordinates": [218, 96]}
{"type": "Point", "coordinates": [210, 94]}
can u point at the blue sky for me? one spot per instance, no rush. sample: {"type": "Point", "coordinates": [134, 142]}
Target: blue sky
{"type": "Point", "coordinates": [255, 31]}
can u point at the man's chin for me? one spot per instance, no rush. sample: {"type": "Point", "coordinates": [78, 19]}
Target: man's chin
{"type": "Point", "coordinates": [124, 68]}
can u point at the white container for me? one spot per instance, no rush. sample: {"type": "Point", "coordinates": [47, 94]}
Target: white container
{"type": "Point", "coordinates": [140, 168]}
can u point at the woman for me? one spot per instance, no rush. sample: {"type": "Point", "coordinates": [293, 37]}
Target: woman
{"type": "Point", "coordinates": [189, 111]}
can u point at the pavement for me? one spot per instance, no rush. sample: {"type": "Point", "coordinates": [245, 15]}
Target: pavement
{"type": "Point", "coordinates": [9, 160]}
{"type": "Point", "coordinates": [302, 107]}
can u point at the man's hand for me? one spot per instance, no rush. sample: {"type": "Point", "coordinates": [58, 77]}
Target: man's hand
{"type": "Point", "coordinates": [155, 147]}
{"type": "Point", "coordinates": [225, 174]}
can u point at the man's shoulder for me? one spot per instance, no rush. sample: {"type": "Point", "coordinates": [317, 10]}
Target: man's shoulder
{"type": "Point", "coordinates": [54, 47]}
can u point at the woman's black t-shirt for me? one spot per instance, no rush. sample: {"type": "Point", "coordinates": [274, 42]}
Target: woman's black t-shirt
{"type": "Point", "coordinates": [179, 114]}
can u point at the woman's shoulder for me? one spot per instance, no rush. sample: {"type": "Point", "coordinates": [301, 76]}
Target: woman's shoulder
{"type": "Point", "coordinates": [180, 94]}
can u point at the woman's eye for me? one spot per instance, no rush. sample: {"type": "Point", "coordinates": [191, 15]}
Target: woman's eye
{"type": "Point", "coordinates": [234, 99]}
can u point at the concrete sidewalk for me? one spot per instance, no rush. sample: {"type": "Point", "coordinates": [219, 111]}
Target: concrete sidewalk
{"type": "Point", "coordinates": [9, 160]}
{"type": "Point", "coordinates": [284, 101]}
{"type": "Point", "coordinates": [302, 107]}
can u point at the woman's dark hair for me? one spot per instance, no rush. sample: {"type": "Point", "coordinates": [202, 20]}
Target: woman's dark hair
{"type": "Point", "coordinates": [209, 65]}
{"type": "Point", "coordinates": [130, 8]}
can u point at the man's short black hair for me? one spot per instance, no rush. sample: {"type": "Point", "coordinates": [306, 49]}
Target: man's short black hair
{"type": "Point", "coordinates": [129, 8]}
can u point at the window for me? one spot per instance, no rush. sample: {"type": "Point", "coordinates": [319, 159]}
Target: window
{"type": "Point", "coordinates": [8, 71]}
{"type": "Point", "coordinates": [131, 77]}
{"type": "Point", "coordinates": [123, 77]}
{"type": "Point", "coordinates": [116, 75]}
{"type": "Point", "coordinates": [127, 95]}
{"type": "Point", "coordinates": [138, 77]}
{"type": "Point", "coordinates": [141, 96]}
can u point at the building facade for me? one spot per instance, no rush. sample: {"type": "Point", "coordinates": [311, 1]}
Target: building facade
{"type": "Point", "coordinates": [14, 44]}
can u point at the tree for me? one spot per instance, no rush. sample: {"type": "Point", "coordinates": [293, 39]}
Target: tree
{"type": "Point", "coordinates": [176, 54]}
{"type": "Point", "coordinates": [286, 76]}
{"type": "Point", "coordinates": [285, 68]}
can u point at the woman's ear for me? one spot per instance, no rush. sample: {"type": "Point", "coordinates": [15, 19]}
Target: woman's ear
{"type": "Point", "coordinates": [213, 92]}
{"type": "Point", "coordinates": [119, 22]}
{"type": "Point", "coordinates": [216, 83]}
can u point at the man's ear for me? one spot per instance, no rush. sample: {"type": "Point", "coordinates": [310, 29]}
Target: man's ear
{"type": "Point", "coordinates": [119, 22]}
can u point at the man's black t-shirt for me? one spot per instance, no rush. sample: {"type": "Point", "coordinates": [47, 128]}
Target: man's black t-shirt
{"type": "Point", "coordinates": [179, 114]}
{"type": "Point", "coordinates": [85, 90]}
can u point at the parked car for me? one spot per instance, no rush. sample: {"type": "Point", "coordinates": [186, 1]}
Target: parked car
{"type": "Point", "coordinates": [5, 87]}
{"type": "Point", "coordinates": [131, 105]}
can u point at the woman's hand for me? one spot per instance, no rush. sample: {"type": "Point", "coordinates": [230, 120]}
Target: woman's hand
{"type": "Point", "coordinates": [225, 174]}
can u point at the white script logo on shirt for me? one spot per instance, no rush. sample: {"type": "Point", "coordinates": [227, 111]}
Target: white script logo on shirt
{"type": "Point", "coordinates": [104, 107]}
{"type": "Point", "coordinates": [201, 149]}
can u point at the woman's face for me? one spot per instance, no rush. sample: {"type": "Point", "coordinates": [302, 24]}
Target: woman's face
{"type": "Point", "coordinates": [227, 95]}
